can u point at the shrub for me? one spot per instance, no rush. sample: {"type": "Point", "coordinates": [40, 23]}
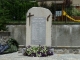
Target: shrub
{"type": "Point", "coordinates": [75, 12]}
{"type": "Point", "coordinates": [69, 10]}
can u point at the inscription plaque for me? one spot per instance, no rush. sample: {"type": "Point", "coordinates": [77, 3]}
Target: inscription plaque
{"type": "Point", "coordinates": [38, 30]}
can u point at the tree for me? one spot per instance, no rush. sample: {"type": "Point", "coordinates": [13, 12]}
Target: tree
{"type": "Point", "coordinates": [14, 9]}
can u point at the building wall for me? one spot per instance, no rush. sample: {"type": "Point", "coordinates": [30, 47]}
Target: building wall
{"type": "Point", "coordinates": [66, 35]}
{"type": "Point", "coordinates": [62, 35]}
{"type": "Point", "coordinates": [50, 2]}
{"type": "Point", "coordinates": [18, 32]}
{"type": "Point", "coordinates": [76, 2]}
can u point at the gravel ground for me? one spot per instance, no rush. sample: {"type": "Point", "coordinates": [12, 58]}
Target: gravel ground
{"type": "Point", "coordinates": [19, 56]}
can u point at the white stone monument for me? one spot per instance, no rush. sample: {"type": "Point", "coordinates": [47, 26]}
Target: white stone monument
{"type": "Point", "coordinates": [38, 26]}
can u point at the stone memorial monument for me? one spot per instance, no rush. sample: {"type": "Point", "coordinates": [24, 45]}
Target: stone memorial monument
{"type": "Point", "coordinates": [38, 26]}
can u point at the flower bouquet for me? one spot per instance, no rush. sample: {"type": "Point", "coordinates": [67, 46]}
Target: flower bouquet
{"type": "Point", "coordinates": [39, 51]}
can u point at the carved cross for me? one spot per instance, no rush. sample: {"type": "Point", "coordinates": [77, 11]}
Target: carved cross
{"type": "Point", "coordinates": [29, 17]}
{"type": "Point", "coordinates": [48, 18]}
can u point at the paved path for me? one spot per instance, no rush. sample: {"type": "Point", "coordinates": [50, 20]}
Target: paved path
{"type": "Point", "coordinates": [19, 56]}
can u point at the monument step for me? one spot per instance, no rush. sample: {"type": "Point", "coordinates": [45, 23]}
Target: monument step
{"type": "Point", "coordinates": [67, 49]}
{"type": "Point", "coordinates": [59, 49]}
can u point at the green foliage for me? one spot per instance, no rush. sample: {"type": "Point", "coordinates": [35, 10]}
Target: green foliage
{"type": "Point", "coordinates": [13, 46]}
{"type": "Point", "coordinates": [12, 42]}
{"type": "Point", "coordinates": [15, 9]}
{"type": "Point", "coordinates": [11, 49]}
{"type": "Point", "coordinates": [3, 25]}
{"type": "Point", "coordinates": [75, 12]}
{"type": "Point", "coordinates": [69, 10]}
